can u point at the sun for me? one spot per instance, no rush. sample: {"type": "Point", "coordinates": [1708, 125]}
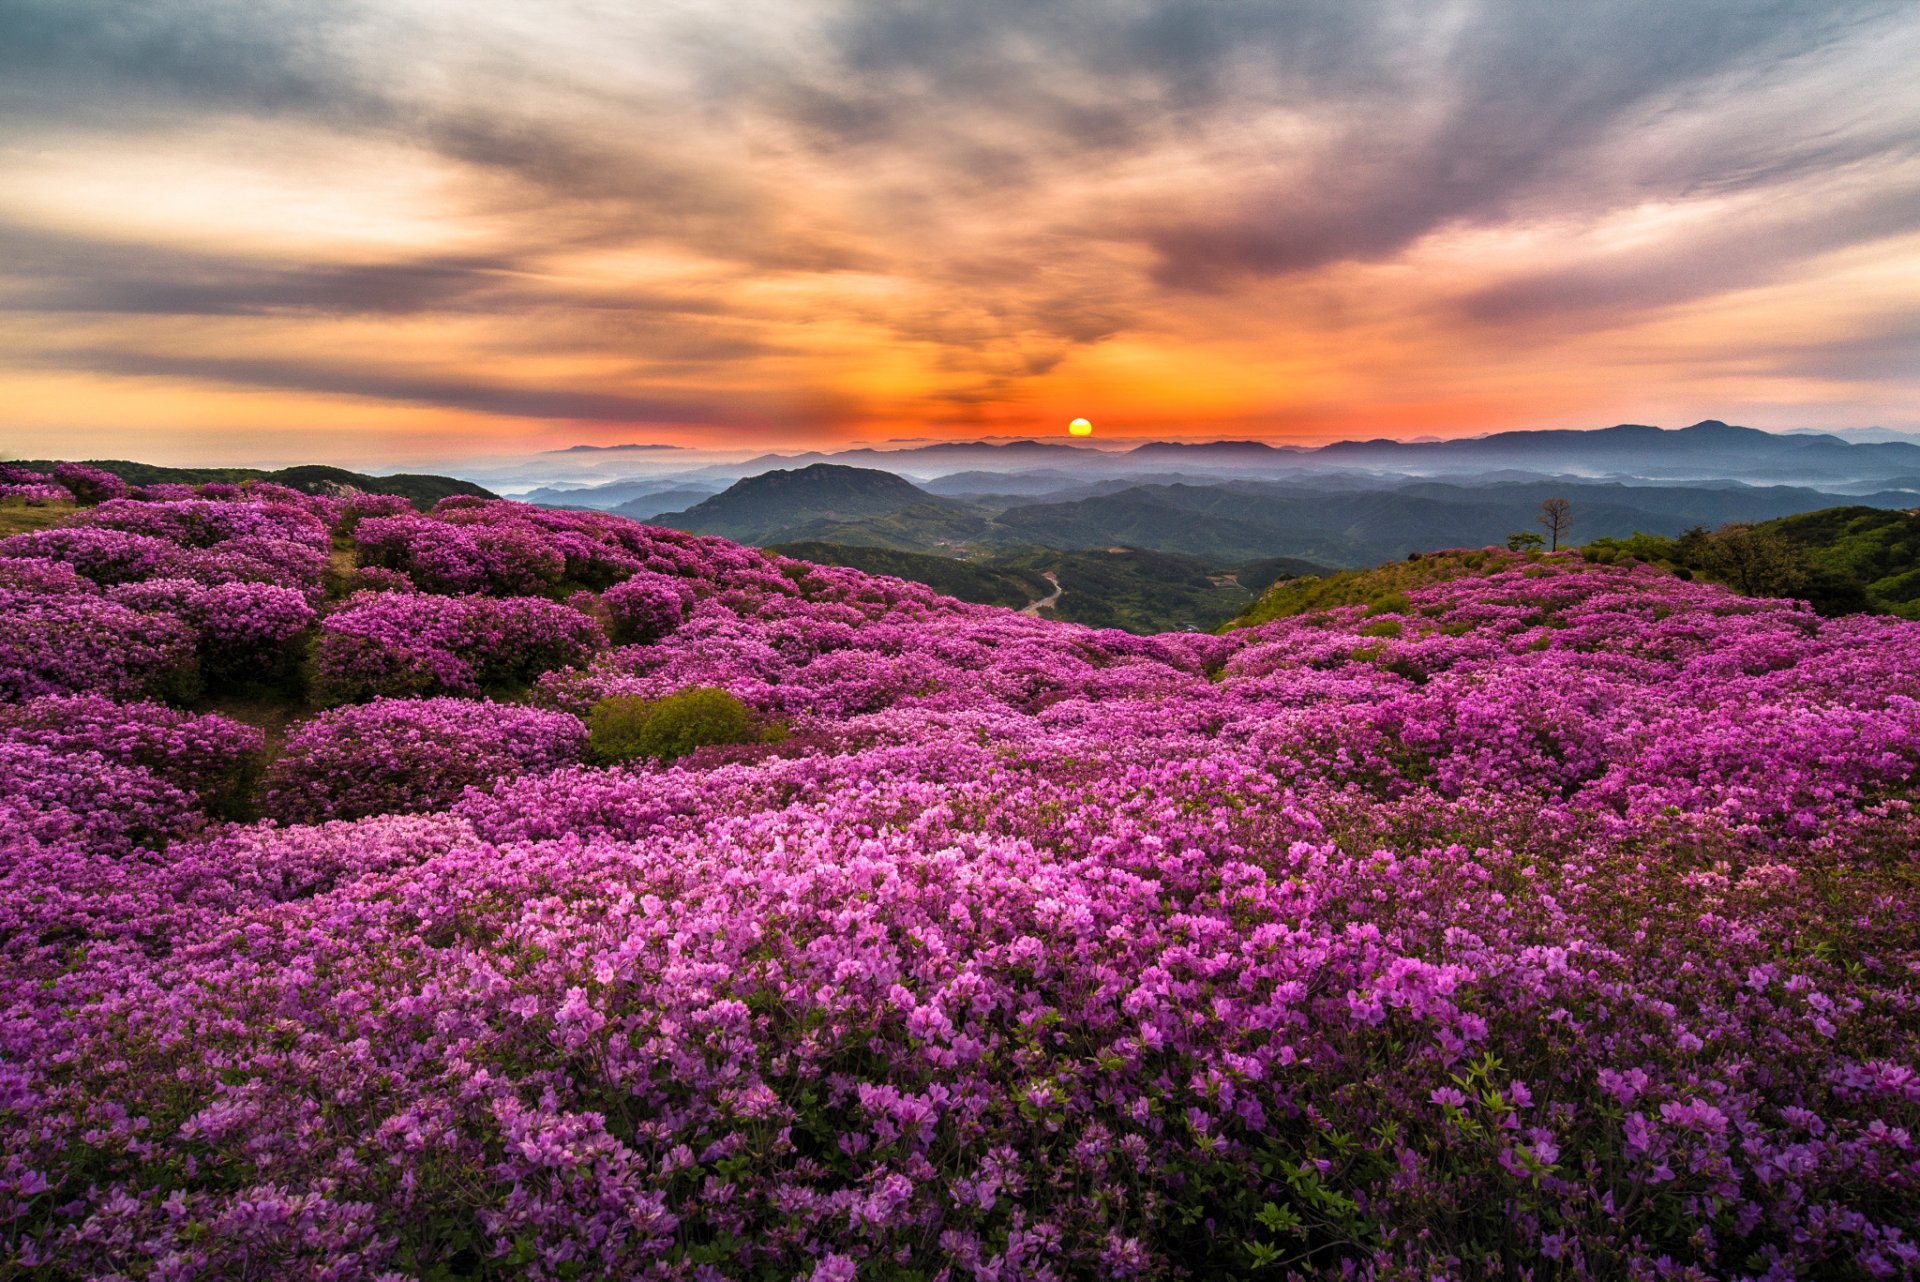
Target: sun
{"type": "Point", "coordinates": [1080, 427]}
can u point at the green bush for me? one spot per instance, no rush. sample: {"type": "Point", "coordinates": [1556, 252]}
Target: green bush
{"type": "Point", "coordinates": [627, 726]}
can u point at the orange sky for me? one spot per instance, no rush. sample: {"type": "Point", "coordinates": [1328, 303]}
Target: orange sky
{"type": "Point", "coordinates": [401, 231]}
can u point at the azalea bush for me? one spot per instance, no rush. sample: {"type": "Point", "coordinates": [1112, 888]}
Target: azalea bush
{"type": "Point", "coordinates": [397, 756]}
{"type": "Point", "coordinates": [401, 644]}
{"type": "Point", "coordinates": [1501, 915]}
{"type": "Point", "coordinates": [213, 759]}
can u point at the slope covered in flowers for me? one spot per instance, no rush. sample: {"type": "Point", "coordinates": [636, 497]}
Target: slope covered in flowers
{"type": "Point", "coordinates": [1545, 920]}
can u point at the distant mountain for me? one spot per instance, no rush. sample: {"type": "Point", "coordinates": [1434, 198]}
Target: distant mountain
{"type": "Point", "coordinates": [1205, 453]}
{"type": "Point", "coordinates": [611, 494]}
{"type": "Point", "coordinates": [1707, 450]}
{"type": "Point", "coordinates": [1225, 524]}
{"type": "Point", "coordinates": [809, 503]}
{"type": "Point", "coordinates": [615, 449]}
{"type": "Point", "coordinates": [649, 506]}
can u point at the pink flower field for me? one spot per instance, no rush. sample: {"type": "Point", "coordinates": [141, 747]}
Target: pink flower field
{"type": "Point", "coordinates": [1534, 919]}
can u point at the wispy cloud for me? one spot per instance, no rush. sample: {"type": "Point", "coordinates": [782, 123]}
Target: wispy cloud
{"type": "Point", "coordinates": [804, 219]}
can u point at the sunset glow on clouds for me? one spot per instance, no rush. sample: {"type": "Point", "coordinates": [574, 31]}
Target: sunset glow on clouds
{"type": "Point", "coordinates": [405, 229]}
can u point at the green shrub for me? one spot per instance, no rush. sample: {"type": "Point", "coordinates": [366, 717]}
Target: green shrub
{"type": "Point", "coordinates": [627, 726]}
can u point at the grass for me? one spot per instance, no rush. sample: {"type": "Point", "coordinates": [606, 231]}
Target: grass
{"type": "Point", "coordinates": [18, 518]}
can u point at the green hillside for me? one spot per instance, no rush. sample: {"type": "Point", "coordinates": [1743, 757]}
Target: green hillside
{"type": "Point", "coordinates": [1136, 590]}
{"type": "Point", "coordinates": [1842, 560]}
{"type": "Point", "coordinates": [423, 491]}
{"type": "Point", "coordinates": [1382, 589]}
{"type": "Point", "coordinates": [968, 581]}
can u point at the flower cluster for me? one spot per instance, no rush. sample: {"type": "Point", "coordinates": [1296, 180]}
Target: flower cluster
{"type": "Point", "coordinates": [74, 642]}
{"type": "Point", "coordinates": [34, 493]}
{"type": "Point", "coordinates": [89, 484]}
{"type": "Point", "coordinates": [394, 756]}
{"type": "Point", "coordinates": [394, 643]}
{"type": "Point", "coordinates": [212, 758]}
{"type": "Point", "coordinates": [1545, 918]}
{"type": "Point", "coordinates": [246, 633]}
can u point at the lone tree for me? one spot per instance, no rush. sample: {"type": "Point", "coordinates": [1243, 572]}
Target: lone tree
{"type": "Point", "coordinates": [1557, 516]}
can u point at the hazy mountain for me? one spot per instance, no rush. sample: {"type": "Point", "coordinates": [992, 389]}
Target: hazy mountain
{"type": "Point", "coordinates": [648, 506]}
{"type": "Point", "coordinates": [617, 449]}
{"type": "Point", "coordinates": [612, 494]}
{"type": "Point", "coordinates": [811, 502]}
{"type": "Point", "coordinates": [1226, 524]}
{"type": "Point", "coordinates": [1708, 448]}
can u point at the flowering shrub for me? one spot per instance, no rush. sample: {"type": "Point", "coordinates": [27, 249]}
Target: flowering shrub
{"type": "Point", "coordinates": [84, 801]}
{"type": "Point", "coordinates": [646, 606]}
{"type": "Point", "coordinates": [35, 494]}
{"type": "Point", "coordinates": [1517, 917]}
{"type": "Point", "coordinates": [89, 484]}
{"type": "Point", "coordinates": [247, 634]}
{"type": "Point", "coordinates": [624, 728]}
{"type": "Point", "coordinates": [72, 643]}
{"type": "Point", "coordinates": [212, 758]}
{"type": "Point", "coordinates": [204, 523]}
{"type": "Point", "coordinates": [394, 756]}
{"type": "Point", "coordinates": [400, 644]}
{"type": "Point", "coordinates": [105, 556]}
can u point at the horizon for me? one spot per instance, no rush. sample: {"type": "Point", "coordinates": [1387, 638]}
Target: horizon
{"type": "Point", "coordinates": [394, 233]}
{"type": "Point", "coordinates": [522, 470]}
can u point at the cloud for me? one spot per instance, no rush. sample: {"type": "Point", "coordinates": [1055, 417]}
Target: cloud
{"type": "Point", "coordinates": [897, 207]}
{"type": "Point", "coordinates": [460, 392]}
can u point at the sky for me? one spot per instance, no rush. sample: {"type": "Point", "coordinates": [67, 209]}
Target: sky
{"type": "Point", "coordinates": [386, 231]}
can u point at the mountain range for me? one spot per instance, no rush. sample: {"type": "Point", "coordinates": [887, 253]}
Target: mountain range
{"type": "Point", "coordinates": [1225, 524]}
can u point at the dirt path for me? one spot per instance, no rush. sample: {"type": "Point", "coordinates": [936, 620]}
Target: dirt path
{"type": "Point", "coordinates": [1034, 607]}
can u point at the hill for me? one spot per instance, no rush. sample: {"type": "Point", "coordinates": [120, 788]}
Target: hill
{"type": "Point", "coordinates": [1357, 522]}
{"type": "Point", "coordinates": [1127, 588]}
{"type": "Point", "coordinates": [422, 490]}
{"type": "Point", "coordinates": [1136, 590]}
{"type": "Point", "coordinates": [812, 503]}
{"type": "Point", "coordinates": [983, 584]}
{"type": "Point", "coordinates": [1841, 559]}
{"type": "Point", "coordinates": [617, 902]}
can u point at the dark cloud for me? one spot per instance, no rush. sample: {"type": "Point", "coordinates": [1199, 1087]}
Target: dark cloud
{"type": "Point", "coordinates": [1890, 353]}
{"type": "Point", "coordinates": [52, 273]}
{"type": "Point", "coordinates": [1518, 114]}
{"type": "Point", "coordinates": [932, 141]}
{"type": "Point", "coordinates": [718, 408]}
{"type": "Point", "coordinates": [97, 60]}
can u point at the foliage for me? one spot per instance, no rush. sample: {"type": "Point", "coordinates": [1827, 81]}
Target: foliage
{"type": "Point", "coordinates": [985, 583]}
{"type": "Point", "coordinates": [1840, 560]}
{"type": "Point", "coordinates": [1381, 589]}
{"type": "Point", "coordinates": [421, 490]}
{"type": "Point", "coordinates": [398, 756]}
{"type": "Point", "coordinates": [626, 728]}
{"type": "Point", "coordinates": [1490, 912]}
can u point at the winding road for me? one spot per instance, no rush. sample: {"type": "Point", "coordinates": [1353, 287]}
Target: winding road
{"type": "Point", "coordinates": [1034, 607]}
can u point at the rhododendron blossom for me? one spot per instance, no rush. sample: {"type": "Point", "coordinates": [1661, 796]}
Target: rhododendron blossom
{"type": "Point", "coordinates": [1549, 919]}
